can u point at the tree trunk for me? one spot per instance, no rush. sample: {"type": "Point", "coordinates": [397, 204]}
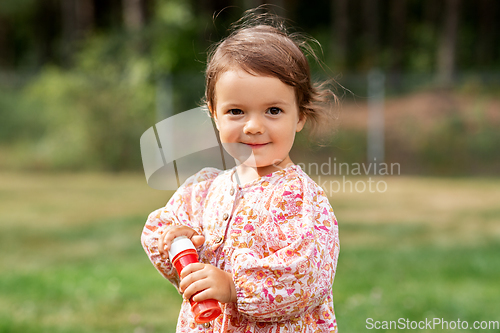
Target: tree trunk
{"type": "Point", "coordinates": [371, 14]}
{"type": "Point", "coordinates": [77, 20]}
{"type": "Point", "coordinates": [340, 30]}
{"type": "Point", "coordinates": [398, 18]}
{"type": "Point", "coordinates": [6, 51]}
{"type": "Point", "coordinates": [133, 14]}
{"type": "Point", "coordinates": [68, 29]}
{"type": "Point", "coordinates": [85, 16]}
{"type": "Point", "coordinates": [447, 46]}
{"type": "Point", "coordinates": [431, 11]}
{"type": "Point", "coordinates": [486, 36]}
{"type": "Point", "coordinates": [398, 26]}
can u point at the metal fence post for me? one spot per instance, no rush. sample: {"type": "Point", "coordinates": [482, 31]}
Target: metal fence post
{"type": "Point", "coordinates": [375, 137]}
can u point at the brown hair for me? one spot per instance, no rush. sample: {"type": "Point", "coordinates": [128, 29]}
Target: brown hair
{"type": "Point", "coordinates": [261, 45]}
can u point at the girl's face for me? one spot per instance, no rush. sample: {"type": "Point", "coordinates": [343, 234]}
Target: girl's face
{"type": "Point", "coordinates": [257, 117]}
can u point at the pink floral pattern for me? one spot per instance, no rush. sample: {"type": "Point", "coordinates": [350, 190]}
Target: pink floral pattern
{"type": "Point", "coordinates": [277, 235]}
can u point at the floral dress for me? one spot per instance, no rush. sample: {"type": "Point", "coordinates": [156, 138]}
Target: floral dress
{"type": "Point", "coordinates": [276, 235]}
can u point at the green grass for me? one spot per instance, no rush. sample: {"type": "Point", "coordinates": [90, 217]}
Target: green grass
{"type": "Point", "coordinates": [417, 283]}
{"type": "Point", "coordinates": [72, 261]}
{"type": "Point", "coordinates": [83, 279]}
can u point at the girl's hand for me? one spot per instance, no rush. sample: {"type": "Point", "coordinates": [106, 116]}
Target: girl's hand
{"type": "Point", "coordinates": [213, 283]}
{"type": "Point", "coordinates": [166, 239]}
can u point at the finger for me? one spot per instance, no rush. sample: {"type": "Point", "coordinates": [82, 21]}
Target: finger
{"type": "Point", "coordinates": [161, 245]}
{"type": "Point", "coordinates": [191, 268]}
{"type": "Point", "coordinates": [186, 282]}
{"type": "Point", "coordinates": [198, 240]}
{"type": "Point", "coordinates": [195, 274]}
{"type": "Point", "coordinates": [208, 293]}
{"type": "Point", "coordinates": [195, 287]}
{"type": "Point", "coordinates": [174, 233]}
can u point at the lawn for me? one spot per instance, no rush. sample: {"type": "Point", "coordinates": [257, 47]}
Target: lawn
{"type": "Point", "coordinates": [72, 261]}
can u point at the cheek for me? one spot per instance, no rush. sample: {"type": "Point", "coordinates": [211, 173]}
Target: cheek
{"type": "Point", "coordinates": [227, 130]}
{"type": "Point", "coordinates": [286, 130]}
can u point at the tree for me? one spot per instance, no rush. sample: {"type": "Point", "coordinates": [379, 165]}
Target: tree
{"type": "Point", "coordinates": [5, 54]}
{"type": "Point", "coordinates": [446, 56]}
{"type": "Point", "coordinates": [340, 29]}
{"type": "Point", "coordinates": [133, 14]}
{"type": "Point", "coordinates": [486, 36]}
{"type": "Point", "coordinates": [372, 31]}
{"type": "Point", "coordinates": [77, 21]}
{"type": "Point", "coordinates": [398, 19]}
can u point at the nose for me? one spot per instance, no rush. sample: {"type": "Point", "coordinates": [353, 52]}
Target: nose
{"type": "Point", "coordinates": [254, 125]}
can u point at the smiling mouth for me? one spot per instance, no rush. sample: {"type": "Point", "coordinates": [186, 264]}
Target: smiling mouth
{"type": "Point", "coordinates": [256, 145]}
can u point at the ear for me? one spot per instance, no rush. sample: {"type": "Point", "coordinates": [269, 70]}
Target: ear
{"type": "Point", "coordinates": [214, 115]}
{"type": "Point", "coordinates": [301, 122]}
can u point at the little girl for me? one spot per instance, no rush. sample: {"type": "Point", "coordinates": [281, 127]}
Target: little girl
{"type": "Point", "coordinates": [266, 234]}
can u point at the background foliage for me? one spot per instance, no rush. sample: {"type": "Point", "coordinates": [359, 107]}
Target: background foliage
{"type": "Point", "coordinates": [78, 89]}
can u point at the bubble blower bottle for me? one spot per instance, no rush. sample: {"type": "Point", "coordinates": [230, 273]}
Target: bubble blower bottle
{"type": "Point", "coordinates": [182, 253]}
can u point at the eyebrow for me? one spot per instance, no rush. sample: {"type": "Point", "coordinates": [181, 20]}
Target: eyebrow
{"type": "Point", "coordinates": [278, 102]}
{"type": "Point", "coordinates": [268, 104]}
{"type": "Point", "coordinates": [230, 105]}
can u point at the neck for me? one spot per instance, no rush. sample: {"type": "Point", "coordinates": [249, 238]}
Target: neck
{"type": "Point", "coordinates": [247, 173]}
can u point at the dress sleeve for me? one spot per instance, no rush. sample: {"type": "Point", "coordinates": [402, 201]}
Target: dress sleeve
{"type": "Point", "coordinates": [296, 273]}
{"type": "Point", "coordinates": [184, 208]}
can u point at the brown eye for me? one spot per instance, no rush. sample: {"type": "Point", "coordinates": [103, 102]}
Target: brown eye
{"type": "Point", "coordinates": [235, 112]}
{"type": "Point", "coordinates": [274, 111]}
